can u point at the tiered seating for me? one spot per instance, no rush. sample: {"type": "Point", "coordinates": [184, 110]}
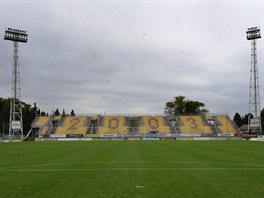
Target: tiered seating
{"type": "Point", "coordinates": [44, 130]}
{"type": "Point", "coordinates": [112, 125]}
{"type": "Point", "coordinates": [209, 117]}
{"type": "Point", "coordinates": [154, 123]}
{"type": "Point", "coordinates": [41, 121]}
{"type": "Point", "coordinates": [224, 124]}
{"type": "Point", "coordinates": [58, 118]}
{"type": "Point", "coordinates": [193, 124]}
{"type": "Point", "coordinates": [73, 125]}
{"type": "Point", "coordinates": [95, 117]}
{"type": "Point", "coordinates": [42, 124]}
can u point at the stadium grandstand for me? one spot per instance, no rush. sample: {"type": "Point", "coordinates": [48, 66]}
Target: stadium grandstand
{"type": "Point", "coordinates": [127, 126]}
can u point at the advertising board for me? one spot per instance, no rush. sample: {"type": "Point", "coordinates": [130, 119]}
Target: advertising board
{"type": "Point", "coordinates": [167, 138]}
{"type": "Point", "coordinates": [150, 138]}
{"type": "Point", "coordinates": [16, 125]}
{"type": "Point", "coordinates": [133, 138]}
{"type": "Point", "coordinates": [254, 123]}
{"type": "Point", "coordinates": [109, 135]}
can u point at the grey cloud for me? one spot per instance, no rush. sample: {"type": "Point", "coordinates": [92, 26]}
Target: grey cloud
{"type": "Point", "coordinates": [196, 49]}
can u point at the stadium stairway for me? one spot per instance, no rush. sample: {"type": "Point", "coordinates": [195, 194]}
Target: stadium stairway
{"type": "Point", "coordinates": [132, 123]}
{"type": "Point", "coordinates": [93, 123]}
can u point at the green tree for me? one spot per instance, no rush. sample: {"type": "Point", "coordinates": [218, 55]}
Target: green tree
{"type": "Point", "coordinates": [57, 112]}
{"type": "Point", "coordinates": [262, 119]}
{"type": "Point", "coordinates": [245, 118]}
{"type": "Point", "coordinates": [4, 114]}
{"type": "Point", "coordinates": [238, 120]}
{"type": "Point", "coordinates": [72, 113]}
{"type": "Point", "coordinates": [181, 105]}
{"type": "Point", "coordinates": [63, 113]}
{"type": "Point", "coordinates": [195, 107]}
{"type": "Point", "coordinates": [28, 114]}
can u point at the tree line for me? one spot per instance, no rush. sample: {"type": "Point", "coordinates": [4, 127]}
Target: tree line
{"type": "Point", "coordinates": [29, 113]}
{"type": "Point", "coordinates": [241, 120]}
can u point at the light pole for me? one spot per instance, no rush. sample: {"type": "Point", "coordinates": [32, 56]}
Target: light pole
{"type": "Point", "coordinates": [15, 121]}
{"type": "Point", "coordinates": [253, 34]}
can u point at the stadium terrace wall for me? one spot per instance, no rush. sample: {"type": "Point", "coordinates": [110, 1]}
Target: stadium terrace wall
{"type": "Point", "coordinates": [133, 127]}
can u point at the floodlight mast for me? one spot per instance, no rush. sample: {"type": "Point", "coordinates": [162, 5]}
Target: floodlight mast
{"type": "Point", "coordinates": [16, 120]}
{"type": "Point", "coordinates": [253, 34]}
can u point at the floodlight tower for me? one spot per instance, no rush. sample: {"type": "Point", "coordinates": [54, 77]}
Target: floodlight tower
{"type": "Point", "coordinates": [253, 34]}
{"type": "Point", "coordinates": [15, 121]}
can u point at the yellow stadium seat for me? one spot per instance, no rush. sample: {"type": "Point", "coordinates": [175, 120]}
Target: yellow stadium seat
{"type": "Point", "coordinates": [41, 122]}
{"type": "Point", "coordinates": [44, 130]}
{"type": "Point", "coordinates": [73, 125]}
{"type": "Point", "coordinates": [224, 124]}
{"type": "Point", "coordinates": [113, 125]}
{"type": "Point", "coordinates": [57, 118]}
{"type": "Point", "coordinates": [193, 124]}
{"type": "Point", "coordinates": [154, 123]}
{"type": "Point", "coordinates": [209, 117]}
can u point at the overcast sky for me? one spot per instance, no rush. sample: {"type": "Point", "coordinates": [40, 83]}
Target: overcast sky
{"type": "Point", "coordinates": [132, 57]}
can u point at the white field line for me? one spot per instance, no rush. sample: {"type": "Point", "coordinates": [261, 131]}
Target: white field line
{"type": "Point", "coordinates": [102, 162]}
{"type": "Point", "coordinates": [127, 169]}
{"type": "Point", "coordinates": [128, 162]}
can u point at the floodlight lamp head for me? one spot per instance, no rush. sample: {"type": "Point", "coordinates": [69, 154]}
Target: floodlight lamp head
{"type": "Point", "coordinates": [253, 33]}
{"type": "Point", "coordinates": [16, 35]}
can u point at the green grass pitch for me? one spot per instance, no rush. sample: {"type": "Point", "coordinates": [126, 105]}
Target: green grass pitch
{"type": "Point", "coordinates": [105, 169]}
